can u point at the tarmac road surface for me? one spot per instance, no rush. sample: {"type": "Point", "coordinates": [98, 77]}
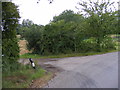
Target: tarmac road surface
{"type": "Point", "coordinates": [97, 71]}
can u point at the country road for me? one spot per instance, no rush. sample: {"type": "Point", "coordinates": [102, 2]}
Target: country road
{"type": "Point", "coordinates": [97, 71]}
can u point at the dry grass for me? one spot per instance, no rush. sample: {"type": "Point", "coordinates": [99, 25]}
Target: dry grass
{"type": "Point", "coordinates": [23, 47]}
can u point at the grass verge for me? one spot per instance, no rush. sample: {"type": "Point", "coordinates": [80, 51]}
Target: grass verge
{"type": "Point", "coordinates": [22, 78]}
{"type": "Point", "coordinates": [35, 56]}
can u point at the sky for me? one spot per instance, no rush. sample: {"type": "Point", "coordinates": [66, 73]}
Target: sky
{"type": "Point", "coordinates": [41, 13]}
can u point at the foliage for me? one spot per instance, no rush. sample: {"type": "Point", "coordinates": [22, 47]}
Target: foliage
{"type": "Point", "coordinates": [88, 45]}
{"type": "Point", "coordinates": [108, 43]}
{"type": "Point", "coordinates": [10, 50]}
{"type": "Point", "coordinates": [34, 38]}
{"type": "Point", "coordinates": [68, 16]}
{"type": "Point", "coordinates": [72, 33]}
{"type": "Point", "coordinates": [63, 37]}
{"type": "Point", "coordinates": [25, 26]}
{"type": "Point", "coordinates": [100, 19]}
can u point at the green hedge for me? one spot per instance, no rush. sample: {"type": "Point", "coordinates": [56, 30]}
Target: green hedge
{"type": "Point", "coordinates": [10, 50]}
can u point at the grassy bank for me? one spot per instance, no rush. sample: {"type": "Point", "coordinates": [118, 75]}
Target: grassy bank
{"type": "Point", "coordinates": [23, 77]}
{"type": "Point", "coordinates": [29, 55]}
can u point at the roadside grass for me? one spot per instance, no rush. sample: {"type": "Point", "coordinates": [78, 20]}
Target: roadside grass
{"type": "Point", "coordinates": [30, 55]}
{"type": "Point", "coordinates": [23, 77]}
{"type": "Point", "coordinates": [36, 56]}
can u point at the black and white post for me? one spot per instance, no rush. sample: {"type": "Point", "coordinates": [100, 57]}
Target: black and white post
{"type": "Point", "coordinates": [32, 63]}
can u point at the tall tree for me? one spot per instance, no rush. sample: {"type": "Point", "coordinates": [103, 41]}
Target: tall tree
{"type": "Point", "coordinates": [10, 49]}
{"type": "Point", "coordinates": [68, 16]}
{"type": "Point", "coordinates": [22, 28]}
{"type": "Point", "coordinates": [27, 23]}
{"type": "Point", "coordinates": [100, 18]}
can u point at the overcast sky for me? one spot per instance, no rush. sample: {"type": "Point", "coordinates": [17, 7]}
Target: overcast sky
{"type": "Point", "coordinates": [43, 12]}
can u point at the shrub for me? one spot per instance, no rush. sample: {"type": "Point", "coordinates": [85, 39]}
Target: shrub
{"type": "Point", "coordinates": [88, 45]}
{"type": "Point", "coordinates": [34, 37]}
{"type": "Point", "coordinates": [10, 51]}
{"type": "Point", "coordinates": [108, 43]}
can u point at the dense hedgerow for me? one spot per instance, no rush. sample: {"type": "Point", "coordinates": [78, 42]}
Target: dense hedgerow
{"type": "Point", "coordinates": [10, 49]}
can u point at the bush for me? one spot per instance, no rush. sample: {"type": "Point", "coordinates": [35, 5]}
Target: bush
{"type": "Point", "coordinates": [108, 43]}
{"type": "Point", "coordinates": [34, 38]}
{"type": "Point", "coordinates": [10, 50]}
{"type": "Point", "coordinates": [88, 45]}
{"type": "Point", "coordinates": [91, 44]}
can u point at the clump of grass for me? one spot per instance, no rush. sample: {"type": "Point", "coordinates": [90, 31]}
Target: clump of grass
{"type": "Point", "coordinates": [22, 77]}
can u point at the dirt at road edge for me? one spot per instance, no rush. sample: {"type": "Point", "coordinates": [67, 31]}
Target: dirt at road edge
{"type": "Point", "coordinates": [51, 72]}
